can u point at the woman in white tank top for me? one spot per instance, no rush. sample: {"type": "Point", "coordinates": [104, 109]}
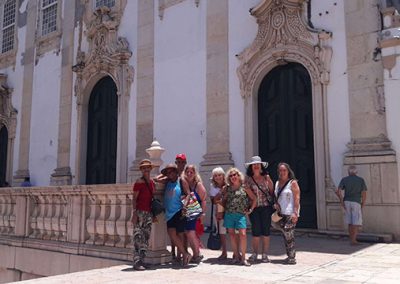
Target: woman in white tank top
{"type": "Point", "coordinates": [287, 194]}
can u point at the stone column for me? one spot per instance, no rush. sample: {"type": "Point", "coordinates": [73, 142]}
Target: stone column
{"type": "Point", "coordinates": [28, 61]}
{"type": "Point", "coordinates": [157, 253]}
{"type": "Point", "coordinates": [217, 88]}
{"type": "Point", "coordinates": [62, 174]}
{"type": "Point", "coordinates": [369, 148]}
{"type": "Point", "coordinates": [145, 83]}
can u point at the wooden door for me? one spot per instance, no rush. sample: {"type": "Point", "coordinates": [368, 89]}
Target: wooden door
{"type": "Point", "coordinates": [102, 133]}
{"type": "Point", "coordinates": [3, 154]}
{"type": "Point", "coordinates": [285, 128]}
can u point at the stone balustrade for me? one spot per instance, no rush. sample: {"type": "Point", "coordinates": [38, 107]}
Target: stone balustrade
{"type": "Point", "coordinates": [91, 220]}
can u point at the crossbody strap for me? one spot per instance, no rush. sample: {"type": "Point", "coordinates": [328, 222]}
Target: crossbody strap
{"type": "Point", "coordinates": [148, 187]}
{"type": "Point", "coordinates": [259, 187]}
{"type": "Point", "coordinates": [281, 189]}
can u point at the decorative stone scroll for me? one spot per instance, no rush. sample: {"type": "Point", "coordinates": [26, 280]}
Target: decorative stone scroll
{"type": "Point", "coordinates": [165, 4]}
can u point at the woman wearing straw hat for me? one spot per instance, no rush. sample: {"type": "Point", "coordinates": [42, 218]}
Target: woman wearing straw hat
{"type": "Point", "coordinates": [142, 218]}
{"type": "Point", "coordinates": [260, 183]}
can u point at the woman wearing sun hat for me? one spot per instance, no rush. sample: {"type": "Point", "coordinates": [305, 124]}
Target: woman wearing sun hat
{"type": "Point", "coordinates": [142, 218]}
{"type": "Point", "coordinates": [260, 183]}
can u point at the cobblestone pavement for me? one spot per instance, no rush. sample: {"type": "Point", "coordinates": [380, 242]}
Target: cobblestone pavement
{"type": "Point", "coordinates": [319, 260]}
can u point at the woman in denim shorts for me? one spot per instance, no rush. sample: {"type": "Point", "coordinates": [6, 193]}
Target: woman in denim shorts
{"type": "Point", "coordinates": [236, 203]}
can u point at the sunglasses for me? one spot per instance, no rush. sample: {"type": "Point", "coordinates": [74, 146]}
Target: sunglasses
{"type": "Point", "coordinates": [233, 175]}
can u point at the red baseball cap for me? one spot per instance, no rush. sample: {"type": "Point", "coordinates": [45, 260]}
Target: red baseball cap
{"type": "Point", "coordinates": [180, 157]}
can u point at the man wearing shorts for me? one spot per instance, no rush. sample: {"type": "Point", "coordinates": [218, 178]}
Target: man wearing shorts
{"type": "Point", "coordinates": [355, 193]}
{"type": "Point", "coordinates": [173, 211]}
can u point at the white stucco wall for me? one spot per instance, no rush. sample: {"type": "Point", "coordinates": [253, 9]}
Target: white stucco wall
{"type": "Point", "coordinates": [129, 30]}
{"type": "Point", "coordinates": [328, 16]}
{"type": "Point", "coordinates": [180, 81]}
{"type": "Point", "coordinates": [44, 118]}
{"type": "Point", "coordinates": [242, 31]}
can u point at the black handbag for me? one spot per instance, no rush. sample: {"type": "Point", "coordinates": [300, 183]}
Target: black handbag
{"type": "Point", "coordinates": [214, 239]}
{"type": "Point", "coordinates": [156, 206]}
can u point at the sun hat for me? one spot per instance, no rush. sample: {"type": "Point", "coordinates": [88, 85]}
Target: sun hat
{"type": "Point", "coordinates": [167, 167]}
{"type": "Point", "coordinates": [145, 163]}
{"type": "Point", "coordinates": [181, 156]}
{"type": "Point", "coordinates": [256, 160]}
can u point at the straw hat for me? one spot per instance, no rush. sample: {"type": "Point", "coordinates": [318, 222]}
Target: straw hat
{"type": "Point", "coordinates": [167, 167]}
{"type": "Point", "coordinates": [256, 160]}
{"type": "Point", "coordinates": [145, 163]}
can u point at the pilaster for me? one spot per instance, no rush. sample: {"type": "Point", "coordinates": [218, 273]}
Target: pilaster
{"type": "Point", "coordinates": [217, 88]}
{"type": "Point", "coordinates": [145, 84]}
{"type": "Point", "coordinates": [62, 174]}
{"type": "Point", "coordinates": [28, 60]}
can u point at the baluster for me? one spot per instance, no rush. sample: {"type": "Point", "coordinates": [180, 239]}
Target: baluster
{"type": "Point", "coordinates": [94, 209]}
{"type": "Point", "coordinates": [129, 225]}
{"type": "Point", "coordinates": [12, 217]}
{"type": "Point", "coordinates": [33, 219]}
{"type": "Point", "coordinates": [110, 223]}
{"type": "Point", "coordinates": [55, 219]}
{"type": "Point", "coordinates": [3, 209]}
{"type": "Point", "coordinates": [48, 216]}
{"type": "Point", "coordinates": [63, 218]}
{"type": "Point", "coordinates": [121, 222]}
{"type": "Point", "coordinates": [40, 219]}
{"type": "Point", "coordinates": [101, 221]}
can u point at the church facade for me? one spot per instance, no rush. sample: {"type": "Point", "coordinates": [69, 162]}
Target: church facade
{"type": "Point", "coordinates": [87, 85]}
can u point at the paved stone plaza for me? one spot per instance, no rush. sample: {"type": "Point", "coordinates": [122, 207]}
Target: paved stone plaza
{"type": "Point", "coordinates": [320, 260]}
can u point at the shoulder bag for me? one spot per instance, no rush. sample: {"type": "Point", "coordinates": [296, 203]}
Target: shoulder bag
{"type": "Point", "coordinates": [214, 239]}
{"type": "Point", "coordinates": [276, 216]}
{"type": "Point", "coordinates": [156, 206]}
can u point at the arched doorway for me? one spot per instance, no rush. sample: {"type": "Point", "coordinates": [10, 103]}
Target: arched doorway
{"type": "Point", "coordinates": [102, 133]}
{"type": "Point", "coordinates": [3, 154]}
{"type": "Point", "coordinates": [285, 130]}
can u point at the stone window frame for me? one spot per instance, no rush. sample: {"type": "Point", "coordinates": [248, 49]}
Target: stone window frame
{"type": "Point", "coordinates": [52, 40]}
{"type": "Point", "coordinates": [8, 58]}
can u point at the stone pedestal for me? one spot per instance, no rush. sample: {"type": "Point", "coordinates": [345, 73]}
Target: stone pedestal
{"type": "Point", "coordinates": [61, 176]}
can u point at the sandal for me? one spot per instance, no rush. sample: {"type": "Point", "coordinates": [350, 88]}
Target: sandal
{"type": "Point", "coordinates": [265, 258]}
{"type": "Point", "coordinates": [253, 257]}
{"type": "Point", "coordinates": [234, 261]}
{"type": "Point", "coordinates": [186, 259]}
{"type": "Point", "coordinates": [223, 256]}
{"type": "Point", "coordinates": [290, 261]}
{"type": "Point", "coordinates": [245, 263]}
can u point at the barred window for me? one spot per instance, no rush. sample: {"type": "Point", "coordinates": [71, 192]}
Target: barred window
{"type": "Point", "coordinates": [49, 16]}
{"type": "Point", "coordinates": [107, 3]}
{"type": "Point", "coordinates": [8, 25]}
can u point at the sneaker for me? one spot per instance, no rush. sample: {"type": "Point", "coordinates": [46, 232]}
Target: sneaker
{"type": "Point", "coordinates": [246, 263]}
{"type": "Point", "coordinates": [265, 258]}
{"type": "Point", "coordinates": [253, 257]}
{"type": "Point", "coordinates": [290, 261]}
{"type": "Point", "coordinates": [139, 267]}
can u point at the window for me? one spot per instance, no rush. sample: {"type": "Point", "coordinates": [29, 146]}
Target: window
{"type": "Point", "coordinates": [8, 25]}
{"type": "Point", "coordinates": [107, 3]}
{"type": "Point", "coordinates": [49, 16]}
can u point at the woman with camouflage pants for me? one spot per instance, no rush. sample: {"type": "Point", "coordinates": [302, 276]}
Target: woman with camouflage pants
{"type": "Point", "coordinates": [142, 217]}
{"type": "Point", "coordinates": [287, 194]}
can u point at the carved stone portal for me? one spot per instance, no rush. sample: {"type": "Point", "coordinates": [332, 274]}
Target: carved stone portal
{"type": "Point", "coordinates": [284, 36]}
{"type": "Point", "coordinates": [108, 55]}
{"type": "Point", "coordinates": [8, 119]}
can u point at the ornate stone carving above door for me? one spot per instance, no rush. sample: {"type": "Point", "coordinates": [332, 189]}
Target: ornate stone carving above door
{"type": "Point", "coordinates": [283, 35]}
{"type": "Point", "coordinates": [164, 4]}
{"type": "Point", "coordinates": [108, 55]}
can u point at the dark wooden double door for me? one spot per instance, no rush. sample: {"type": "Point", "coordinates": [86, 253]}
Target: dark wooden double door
{"type": "Point", "coordinates": [102, 133]}
{"type": "Point", "coordinates": [285, 128]}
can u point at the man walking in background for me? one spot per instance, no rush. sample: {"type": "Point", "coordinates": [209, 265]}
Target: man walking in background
{"type": "Point", "coordinates": [355, 193]}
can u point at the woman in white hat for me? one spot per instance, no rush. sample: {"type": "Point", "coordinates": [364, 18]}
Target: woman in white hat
{"type": "Point", "coordinates": [142, 217]}
{"type": "Point", "coordinates": [260, 183]}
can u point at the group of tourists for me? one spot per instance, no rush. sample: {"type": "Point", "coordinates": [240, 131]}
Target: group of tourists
{"type": "Point", "coordinates": [233, 195]}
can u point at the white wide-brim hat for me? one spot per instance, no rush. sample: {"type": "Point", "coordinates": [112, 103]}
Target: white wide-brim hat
{"type": "Point", "coordinates": [256, 160]}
